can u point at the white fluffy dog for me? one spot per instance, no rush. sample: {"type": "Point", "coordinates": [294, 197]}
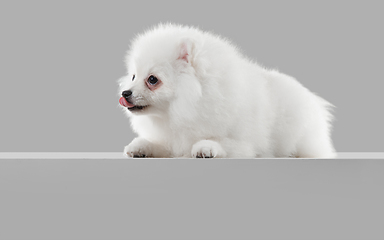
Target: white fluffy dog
{"type": "Point", "coordinates": [190, 93]}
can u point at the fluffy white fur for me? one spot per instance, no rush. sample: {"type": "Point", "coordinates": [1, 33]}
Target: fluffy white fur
{"type": "Point", "coordinates": [214, 102]}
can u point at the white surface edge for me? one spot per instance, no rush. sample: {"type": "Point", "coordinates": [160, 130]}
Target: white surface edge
{"type": "Point", "coordinates": [119, 155]}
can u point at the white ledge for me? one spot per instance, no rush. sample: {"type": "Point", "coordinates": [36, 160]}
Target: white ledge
{"type": "Point", "coordinates": [119, 155]}
{"type": "Point", "coordinates": [107, 196]}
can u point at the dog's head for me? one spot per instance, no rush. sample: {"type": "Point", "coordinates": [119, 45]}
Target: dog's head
{"type": "Point", "coordinates": [161, 73]}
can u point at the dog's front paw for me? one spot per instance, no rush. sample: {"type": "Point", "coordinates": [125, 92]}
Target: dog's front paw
{"type": "Point", "coordinates": [207, 149]}
{"type": "Point", "coordinates": [139, 148]}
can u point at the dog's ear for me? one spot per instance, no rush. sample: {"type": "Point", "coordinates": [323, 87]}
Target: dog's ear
{"type": "Point", "coordinates": [186, 48]}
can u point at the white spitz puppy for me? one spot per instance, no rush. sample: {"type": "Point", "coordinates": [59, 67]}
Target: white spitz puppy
{"type": "Point", "coordinates": [190, 93]}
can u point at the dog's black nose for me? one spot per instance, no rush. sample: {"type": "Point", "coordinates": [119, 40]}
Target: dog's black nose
{"type": "Point", "coordinates": [126, 94]}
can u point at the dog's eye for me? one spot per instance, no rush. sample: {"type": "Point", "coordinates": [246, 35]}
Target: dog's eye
{"type": "Point", "coordinates": [152, 80]}
{"type": "Point", "coordinates": [133, 78]}
{"type": "Point", "coordinates": [153, 83]}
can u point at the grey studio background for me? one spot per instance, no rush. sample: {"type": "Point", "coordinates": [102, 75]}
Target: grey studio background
{"type": "Point", "coordinates": [60, 61]}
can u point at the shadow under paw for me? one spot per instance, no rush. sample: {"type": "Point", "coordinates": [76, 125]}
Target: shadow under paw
{"type": "Point", "coordinates": [202, 155]}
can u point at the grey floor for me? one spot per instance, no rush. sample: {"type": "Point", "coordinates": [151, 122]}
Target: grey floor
{"type": "Point", "coordinates": [105, 196]}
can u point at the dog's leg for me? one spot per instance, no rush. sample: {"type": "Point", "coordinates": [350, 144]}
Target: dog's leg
{"type": "Point", "coordinates": [208, 149]}
{"type": "Point", "coordinates": [141, 148]}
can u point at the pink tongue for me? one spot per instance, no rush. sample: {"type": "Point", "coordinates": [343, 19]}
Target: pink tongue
{"type": "Point", "coordinates": [124, 103]}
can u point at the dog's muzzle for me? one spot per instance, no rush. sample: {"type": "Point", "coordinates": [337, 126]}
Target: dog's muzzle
{"type": "Point", "coordinates": [125, 100]}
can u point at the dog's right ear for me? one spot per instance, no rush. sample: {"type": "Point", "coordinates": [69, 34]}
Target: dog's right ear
{"type": "Point", "coordinates": [186, 48]}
